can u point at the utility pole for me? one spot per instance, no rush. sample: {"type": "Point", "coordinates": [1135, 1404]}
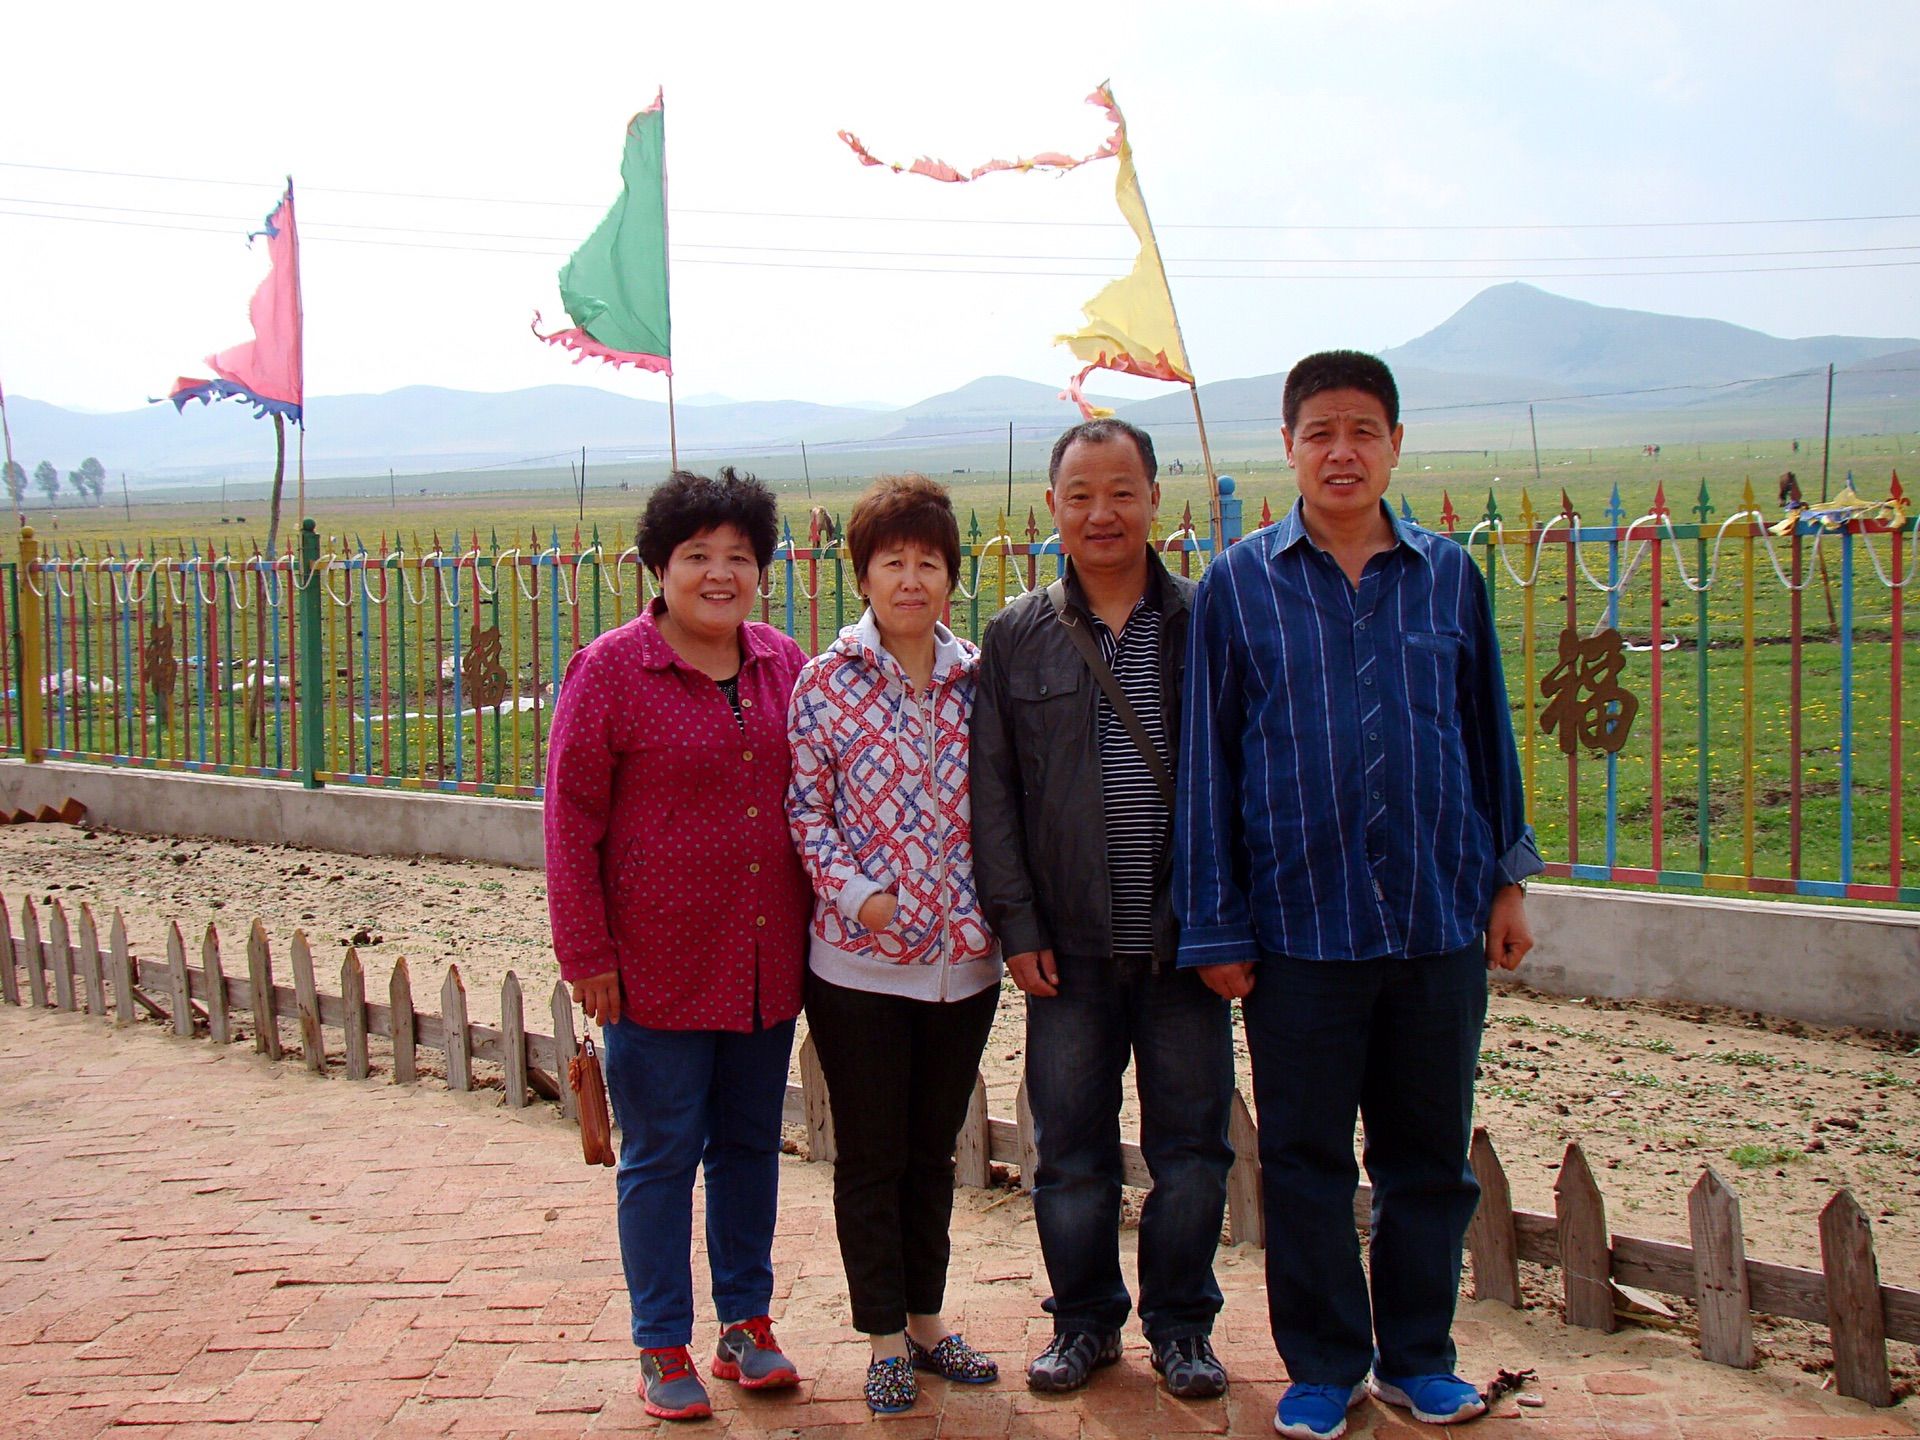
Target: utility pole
{"type": "Point", "coordinates": [583, 483]}
{"type": "Point", "coordinates": [1826, 445]}
{"type": "Point", "coordinates": [1534, 430]}
{"type": "Point", "coordinates": [1009, 509]}
{"type": "Point", "coordinates": [125, 502]}
{"type": "Point", "coordinates": [806, 469]}
{"type": "Point", "coordinates": [393, 496]}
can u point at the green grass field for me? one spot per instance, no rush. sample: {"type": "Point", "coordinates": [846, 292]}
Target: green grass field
{"type": "Point", "coordinates": [532, 506]}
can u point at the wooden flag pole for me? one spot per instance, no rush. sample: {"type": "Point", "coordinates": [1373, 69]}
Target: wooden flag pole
{"type": "Point", "coordinates": [1206, 459]}
{"type": "Point", "coordinates": [6, 430]}
{"type": "Point", "coordinates": [673, 429]}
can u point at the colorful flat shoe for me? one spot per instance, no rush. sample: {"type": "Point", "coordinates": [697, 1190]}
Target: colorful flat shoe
{"type": "Point", "coordinates": [891, 1386]}
{"type": "Point", "coordinates": [953, 1359]}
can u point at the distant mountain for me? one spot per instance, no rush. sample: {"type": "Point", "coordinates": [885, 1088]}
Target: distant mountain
{"type": "Point", "coordinates": [1517, 329]}
{"type": "Point", "coordinates": [987, 404]}
{"type": "Point", "coordinates": [416, 428]}
{"type": "Point", "coordinates": [999, 397]}
{"type": "Point", "coordinates": [1464, 383]}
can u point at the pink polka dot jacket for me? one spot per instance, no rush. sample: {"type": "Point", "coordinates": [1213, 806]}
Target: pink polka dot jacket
{"type": "Point", "coordinates": [879, 802]}
{"type": "Point", "coordinates": [668, 857]}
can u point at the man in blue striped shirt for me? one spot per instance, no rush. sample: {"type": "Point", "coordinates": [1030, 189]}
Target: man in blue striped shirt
{"type": "Point", "coordinates": [1351, 853]}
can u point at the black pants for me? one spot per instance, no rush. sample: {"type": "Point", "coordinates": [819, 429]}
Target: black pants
{"type": "Point", "coordinates": [900, 1075]}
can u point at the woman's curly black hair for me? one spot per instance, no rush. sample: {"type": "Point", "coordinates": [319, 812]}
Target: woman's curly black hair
{"type": "Point", "coordinates": [688, 504]}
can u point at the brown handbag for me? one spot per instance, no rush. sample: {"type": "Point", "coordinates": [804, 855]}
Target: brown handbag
{"type": "Point", "coordinates": [589, 1087]}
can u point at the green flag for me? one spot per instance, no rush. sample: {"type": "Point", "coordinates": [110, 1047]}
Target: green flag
{"type": "Point", "coordinates": [615, 286]}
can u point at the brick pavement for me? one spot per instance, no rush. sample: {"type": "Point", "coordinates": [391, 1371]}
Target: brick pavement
{"type": "Point", "coordinates": [196, 1243]}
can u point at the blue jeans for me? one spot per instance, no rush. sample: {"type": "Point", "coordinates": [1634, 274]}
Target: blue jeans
{"type": "Point", "coordinates": [1180, 1035]}
{"type": "Point", "coordinates": [1396, 1042]}
{"type": "Point", "coordinates": [685, 1099]}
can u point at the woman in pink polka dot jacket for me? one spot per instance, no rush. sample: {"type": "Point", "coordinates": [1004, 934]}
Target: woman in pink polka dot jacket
{"type": "Point", "coordinates": [679, 916]}
{"type": "Point", "coordinates": [903, 973]}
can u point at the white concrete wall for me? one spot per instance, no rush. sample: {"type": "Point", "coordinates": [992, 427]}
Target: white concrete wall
{"type": "Point", "coordinates": [1827, 965]}
{"type": "Point", "coordinates": [349, 818]}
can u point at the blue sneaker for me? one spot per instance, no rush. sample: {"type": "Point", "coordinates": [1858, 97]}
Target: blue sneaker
{"type": "Point", "coordinates": [1316, 1412]}
{"type": "Point", "coordinates": [1436, 1399]}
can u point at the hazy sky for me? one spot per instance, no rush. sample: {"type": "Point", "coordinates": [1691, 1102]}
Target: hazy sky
{"type": "Point", "coordinates": [1270, 137]}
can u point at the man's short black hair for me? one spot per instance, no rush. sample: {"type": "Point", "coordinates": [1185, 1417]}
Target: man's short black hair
{"type": "Point", "coordinates": [1100, 432]}
{"type": "Point", "coordinates": [688, 503]}
{"type": "Point", "coordinates": [1339, 370]}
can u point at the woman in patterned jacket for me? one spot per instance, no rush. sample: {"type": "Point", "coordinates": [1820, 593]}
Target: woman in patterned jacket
{"type": "Point", "coordinates": [903, 973]}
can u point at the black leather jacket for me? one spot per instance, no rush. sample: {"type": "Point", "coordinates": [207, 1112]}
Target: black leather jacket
{"type": "Point", "coordinates": [1039, 825]}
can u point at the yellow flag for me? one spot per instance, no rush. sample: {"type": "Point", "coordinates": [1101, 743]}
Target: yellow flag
{"type": "Point", "coordinates": [1131, 326]}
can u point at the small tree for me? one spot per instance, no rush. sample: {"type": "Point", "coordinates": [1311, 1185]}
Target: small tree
{"type": "Point", "coordinates": [77, 483]}
{"type": "Point", "coordinates": [16, 482]}
{"type": "Point", "coordinates": [48, 479]}
{"type": "Point", "coordinates": [94, 476]}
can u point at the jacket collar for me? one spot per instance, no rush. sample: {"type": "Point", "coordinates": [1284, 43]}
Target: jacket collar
{"type": "Point", "coordinates": [1167, 596]}
{"type": "Point", "coordinates": [657, 654]}
{"type": "Point", "coordinates": [1291, 530]}
{"type": "Point", "coordinates": [951, 654]}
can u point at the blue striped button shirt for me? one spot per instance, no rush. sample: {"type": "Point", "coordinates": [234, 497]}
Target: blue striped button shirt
{"type": "Point", "coordinates": [1348, 783]}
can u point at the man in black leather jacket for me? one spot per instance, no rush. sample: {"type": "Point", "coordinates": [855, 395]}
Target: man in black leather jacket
{"type": "Point", "coordinates": [1071, 835]}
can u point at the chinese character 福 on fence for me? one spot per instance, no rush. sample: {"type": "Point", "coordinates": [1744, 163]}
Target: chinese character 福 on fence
{"type": "Point", "coordinates": [1589, 706]}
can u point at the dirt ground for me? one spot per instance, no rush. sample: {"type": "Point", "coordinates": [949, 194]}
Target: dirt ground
{"type": "Point", "coordinates": [1786, 1113]}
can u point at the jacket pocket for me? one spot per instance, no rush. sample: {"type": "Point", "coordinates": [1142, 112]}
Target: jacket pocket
{"type": "Point", "coordinates": [1040, 683]}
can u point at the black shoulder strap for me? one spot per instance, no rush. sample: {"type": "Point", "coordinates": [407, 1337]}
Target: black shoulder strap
{"type": "Point", "coordinates": [1089, 649]}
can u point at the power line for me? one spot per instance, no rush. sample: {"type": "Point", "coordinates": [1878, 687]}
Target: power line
{"type": "Point", "coordinates": [311, 226]}
{"type": "Point", "coordinates": [976, 220]}
{"type": "Point", "coordinates": [1496, 274]}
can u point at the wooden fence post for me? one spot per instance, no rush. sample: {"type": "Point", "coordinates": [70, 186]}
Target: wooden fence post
{"type": "Point", "coordinates": [122, 970]}
{"type": "Point", "coordinates": [353, 1000]}
{"type": "Point", "coordinates": [60, 956]}
{"type": "Point", "coordinates": [1490, 1236]}
{"type": "Point", "coordinates": [400, 997]}
{"type": "Point", "coordinates": [1854, 1311]}
{"type": "Point", "coordinates": [1720, 1272]}
{"type": "Point", "coordinates": [266, 1025]}
{"type": "Point", "coordinates": [313, 1040]}
{"type": "Point", "coordinates": [813, 1097]}
{"type": "Point", "coordinates": [90, 962]}
{"type": "Point", "coordinates": [564, 1047]}
{"type": "Point", "coordinates": [9, 976]}
{"type": "Point", "coordinates": [1585, 1257]}
{"type": "Point", "coordinates": [1246, 1206]}
{"type": "Point", "coordinates": [453, 1016]}
{"type": "Point", "coordinates": [513, 1036]}
{"type": "Point", "coordinates": [219, 1028]}
{"type": "Point", "coordinates": [973, 1147]}
{"type": "Point", "coordinates": [1023, 1128]}
{"type": "Point", "coordinates": [182, 989]}
{"type": "Point", "coordinates": [30, 955]}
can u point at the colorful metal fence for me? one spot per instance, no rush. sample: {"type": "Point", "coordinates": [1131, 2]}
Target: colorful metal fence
{"type": "Point", "coordinates": [1763, 742]}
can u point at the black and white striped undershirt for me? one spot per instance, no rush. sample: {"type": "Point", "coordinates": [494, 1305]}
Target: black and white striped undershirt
{"type": "Point", "coordinates": [1137, 818]}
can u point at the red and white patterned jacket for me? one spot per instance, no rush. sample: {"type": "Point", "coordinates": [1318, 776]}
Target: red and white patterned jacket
{"type": "Point", "coordinates": [879, 801]}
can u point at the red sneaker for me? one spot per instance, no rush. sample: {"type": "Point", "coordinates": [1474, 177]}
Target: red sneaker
{"type": "Point", "coordinates": [749, 1354]}
{"type": "Point", "coordinates": [670, 1386]}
